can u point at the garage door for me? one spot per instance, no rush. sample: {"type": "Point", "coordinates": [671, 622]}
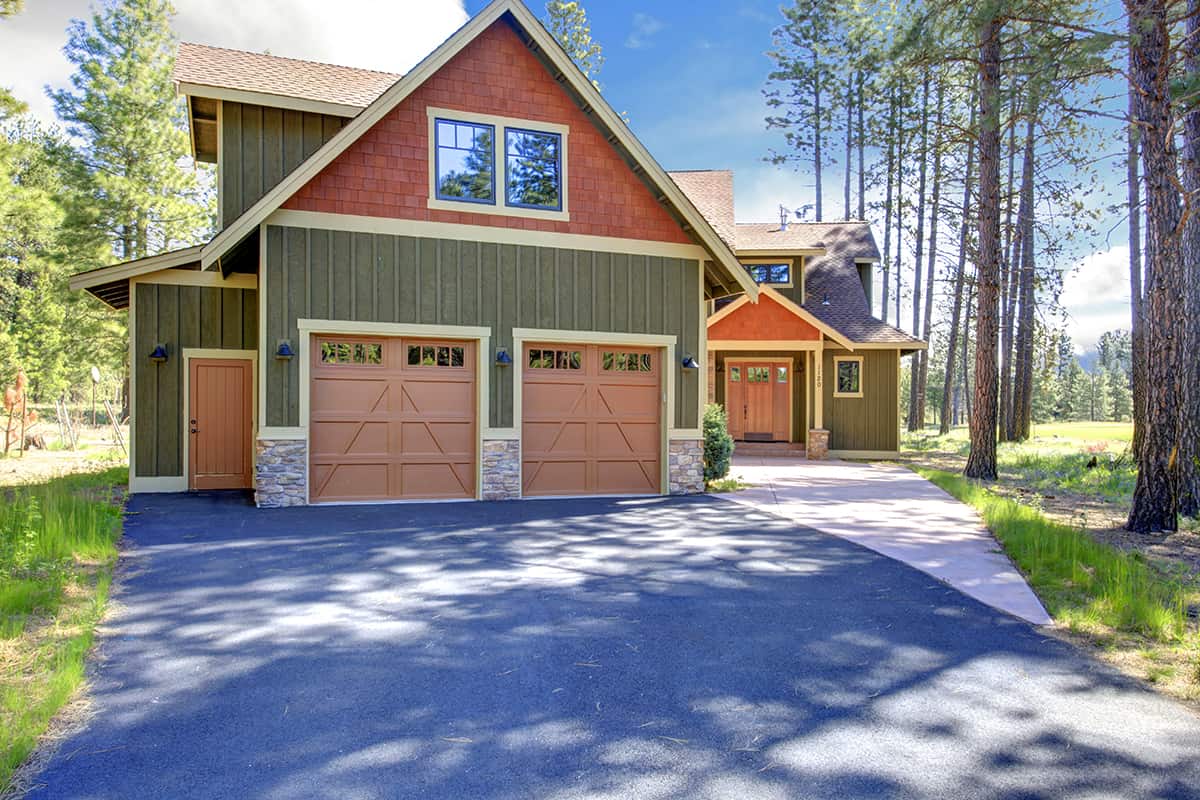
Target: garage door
{"type": "Point", "coordinates": [391, 419]}
{"type": "Point", "coordinates": [591, 420]}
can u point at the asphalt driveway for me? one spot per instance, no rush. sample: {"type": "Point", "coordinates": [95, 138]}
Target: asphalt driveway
{"type": "Point", "coordinates": [682, 648]}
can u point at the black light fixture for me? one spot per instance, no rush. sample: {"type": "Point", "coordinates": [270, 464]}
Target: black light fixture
{"type": "Point", "coordinates": [159, 354]}
{"type": "Point", "coordinates": [284, 352]}
{"type": "Point", "coordinates": [503, 359]}
{"type": "Point", "coordinates": [690, 363]}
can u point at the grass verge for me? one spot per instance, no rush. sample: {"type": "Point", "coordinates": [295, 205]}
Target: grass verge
{"type": "Point", "coordinates": [1134, 611]}
{"type": "Point", "coordinates": [58, 545]}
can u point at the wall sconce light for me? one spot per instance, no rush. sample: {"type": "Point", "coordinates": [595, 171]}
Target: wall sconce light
{"type": "Point", "coordinates": [503, 359]}
{"type": "Point", "coordinates": [690, 363]}
{"type": "Point", "coordinates": [159, 354]}
{"type": "Point", "coordinates": [284, 352]}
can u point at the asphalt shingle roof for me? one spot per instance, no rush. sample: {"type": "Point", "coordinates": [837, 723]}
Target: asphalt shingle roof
{"type": "Point", "coordinates": [288, 77]}
{"type": "Point", "coordinates": [711, 191]}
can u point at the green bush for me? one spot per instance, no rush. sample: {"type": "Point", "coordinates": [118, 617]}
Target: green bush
{"type": "Point", "coordinates": [718, 444]}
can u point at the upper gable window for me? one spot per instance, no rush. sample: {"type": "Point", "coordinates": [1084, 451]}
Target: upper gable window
{"type": "Point", "coordinates": [532, 169]}
{"type": "Point", "coordinates": [500, 165]}
{"type": "Point", "coordinates": [778, 274]}
{"type": "Point", "coordinates": [466, 161]}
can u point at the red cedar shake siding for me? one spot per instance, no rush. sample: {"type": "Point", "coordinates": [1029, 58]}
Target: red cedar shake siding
{"type": "Point", "coordinates": [386, 172]}
{"type": "Point", "coordinates": [766, 321]}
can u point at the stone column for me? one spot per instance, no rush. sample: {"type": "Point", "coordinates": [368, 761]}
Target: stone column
{"type": "Point", "coordinates": [818, 444]}
{"type": "Point", "coordinates": [280, 473]}
{"type": "Point", "coordinates": [685, 469]}
{"type": "Point", "coordinates": [501, 469]}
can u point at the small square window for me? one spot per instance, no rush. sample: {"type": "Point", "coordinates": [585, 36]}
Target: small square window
{"type": "Point", "coordinates": [735, 374]}
{"type": "Point", "coordinates": [847, 377]}
{"type": "Point", "coordinates": [780, 273]}
{"type": "Point", "coordinates": [456, 357]}
{"type": "Point", "coordinates": [781, 374]}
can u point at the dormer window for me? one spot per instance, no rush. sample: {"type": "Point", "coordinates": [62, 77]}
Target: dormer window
{"type": "Point", "coordinates": [497, 165]}
{"type": "Point", "coordinates": [772, 273]}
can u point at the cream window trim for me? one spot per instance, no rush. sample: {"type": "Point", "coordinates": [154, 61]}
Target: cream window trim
{"type": "Point", "coordinates": [211, 353]}
{"type": "Point", "coordinates": [791, 265]}
{"type": "Point", "coordinates": [500, 205]}
{"type": "Point", "coordinates": [837, 362]}
{"type": "Point", "coordinates": [670, 368]}
{"type": "Point", "coordinates": [289, 433]}
{"type": "Point", "coordinates": [483, 352]}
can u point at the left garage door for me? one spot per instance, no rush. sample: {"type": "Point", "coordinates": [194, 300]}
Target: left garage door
{"type": "Point", "coordinates": [391, 419]}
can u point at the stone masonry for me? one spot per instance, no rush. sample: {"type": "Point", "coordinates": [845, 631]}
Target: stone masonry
{"type": "Point", "coordinates": [501, 469]}
{"type": "Point", "coordinates": [818, 444]}
{"type": "Point", "coordinates": [280, 473]}
{"type": "Point", "coordinates": [686, 466]}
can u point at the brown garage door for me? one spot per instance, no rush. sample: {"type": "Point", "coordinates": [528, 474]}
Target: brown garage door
{"type": "Point", "coordinates": [391, 419]}
{"type": "Point", "coordinates": [591, 420]}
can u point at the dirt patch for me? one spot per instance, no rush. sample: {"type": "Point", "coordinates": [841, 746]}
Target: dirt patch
{"type": "Point", "coordinates": [98, 450]}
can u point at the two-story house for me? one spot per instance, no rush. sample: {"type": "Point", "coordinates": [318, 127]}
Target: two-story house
{"type": "Point", "coordinates": [469, 281]}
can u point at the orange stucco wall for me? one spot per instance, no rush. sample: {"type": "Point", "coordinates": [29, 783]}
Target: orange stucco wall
{"type": "Point", "coordinates": [386, 172]}
{"type": "Point", "coordinates": [764, 320]}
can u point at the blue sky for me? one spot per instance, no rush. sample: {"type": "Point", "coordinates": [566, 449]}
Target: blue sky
{"type": "Point", "coordinates": [689, 74]}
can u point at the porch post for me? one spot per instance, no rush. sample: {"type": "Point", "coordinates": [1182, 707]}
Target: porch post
{"type": "Point", "coordinates": [818, 357]}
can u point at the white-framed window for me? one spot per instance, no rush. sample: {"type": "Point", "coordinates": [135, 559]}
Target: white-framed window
{"type": "Point", "coordinates": [497, 165]}
{"type": "Point", "coordinates": [847, 376]}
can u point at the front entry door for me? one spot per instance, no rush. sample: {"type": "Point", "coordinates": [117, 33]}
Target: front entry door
{"type": "Point", "coordinates": [758, 399]}
{"type": "Point", "coordinates": [220, 423]}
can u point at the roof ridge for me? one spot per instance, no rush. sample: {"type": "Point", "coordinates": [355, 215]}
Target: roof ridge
{"type": "Point", "coordinates": [695, 171]}
{"type": "Point", "coordinates": [290, 58]}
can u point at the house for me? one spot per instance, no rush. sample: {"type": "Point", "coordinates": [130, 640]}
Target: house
{"type": "Point", "coordinates": [808, 364]}
{"type": "Point", "coordinates": [467, 282]}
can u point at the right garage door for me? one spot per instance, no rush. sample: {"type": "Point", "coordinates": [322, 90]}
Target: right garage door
{"type": "Point", "coordinates": [591, 419]}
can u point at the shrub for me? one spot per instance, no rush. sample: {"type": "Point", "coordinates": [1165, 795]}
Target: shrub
{"type": "Point", "coordinates": [718, 444]}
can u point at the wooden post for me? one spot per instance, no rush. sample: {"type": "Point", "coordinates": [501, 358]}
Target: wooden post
{"type": "Point", "coordinates": [24, 413]}
{"type": "Point", "coordinates": [112, 418]}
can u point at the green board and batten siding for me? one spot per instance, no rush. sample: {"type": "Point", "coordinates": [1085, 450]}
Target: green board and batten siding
{"type": "Point", "coordinates": [868, 422]}
{"type": "Point", "coordinates": [179, 317]}
{"type": "Point", "coordinates": [321, 274]}
{"type": "Point", "coordinates": [260, 146]}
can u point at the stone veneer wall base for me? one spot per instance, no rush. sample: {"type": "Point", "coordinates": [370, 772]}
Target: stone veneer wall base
{"type": "Point", "coordinates": [686, 466]}
{"type": "Point", "coordinates": [818, 444]}
{"type": "Point", "coordinates": [280, 473]}
{"type": "Point", "coordinates": [501, 469]}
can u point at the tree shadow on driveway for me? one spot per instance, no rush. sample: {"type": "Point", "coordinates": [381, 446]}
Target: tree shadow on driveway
{"type": "Point", "coordinates": [653, 648]}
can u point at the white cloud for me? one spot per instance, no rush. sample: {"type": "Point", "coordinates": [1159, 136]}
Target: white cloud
{"type": "Point", "coordinates": [1098, 278]}
{"type": "Point", "coordinates": [760, 190]}
{"type": "Point", "coordinates": [644, 28]}
{"type": "Point", "coordinates": [362, 33]}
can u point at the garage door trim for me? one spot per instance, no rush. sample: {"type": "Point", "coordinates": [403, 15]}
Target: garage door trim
{"type": "Point", "coordinates": [480, 335]}
{"type": "Point", "coordinates": [665, 343]}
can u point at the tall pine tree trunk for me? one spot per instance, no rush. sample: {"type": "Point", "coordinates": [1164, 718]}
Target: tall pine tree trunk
{"type": "Point", "coordinates": [887, 202]}
{"type": "Point", "coordinates": [898, 273]}
{"type": "Point", "coordinates": [1022, 407]}
{"type": "Point", "coordinates": [966, 347]}
{"type": "Point", "coordinates": [1008, 271]}
{"type": "Point", "coordinates": [1137, 330]}
{"type": "Point", "coordinates": [948, 382]}
{"type": "Point", "coordinates": [1155, 496]}
{"type": "Point", "coordinates": [915, 424]}
{"type": "Point", "coordinates": [981, 463]}
{"type": "Point", "coordinates": [1189, 422]}
{"type": "Point", "coordinates": [818, 119]}
{"type": "Point", "coordinates": [931, 267]}
{"type": "Point", "coordinates": [849, 146]}
{"type": "Point", "coordinates": [860, 140]}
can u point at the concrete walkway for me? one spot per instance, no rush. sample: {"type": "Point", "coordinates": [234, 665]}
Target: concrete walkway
{"type": "Point", "coordinates": [896, 512]}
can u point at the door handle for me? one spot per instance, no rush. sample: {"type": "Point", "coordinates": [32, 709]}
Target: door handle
{"type": "Point", "coordinates": [192, 423]}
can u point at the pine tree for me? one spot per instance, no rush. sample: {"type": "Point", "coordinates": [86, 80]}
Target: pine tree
{"type": "Point", "coordinates": [123, 108]}
{"type": "Point", "coordinates": [568, 23]}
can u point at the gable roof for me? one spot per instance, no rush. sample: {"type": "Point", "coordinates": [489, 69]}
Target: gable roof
{"type": "Point", "coordinates": [768, 236]}
{"type": "Point", "coordinates": [725, 270]}
{"type": "Point", "coordinates": [780, 299]}
{"type": "Point", "coordinates": [834, 290]}
{"type": "Point", "coordinates": [111, 284]}
{"type": "Point", "coordinates": [344, 91]}
{"type": "Point", "coordinates": [711, 191]}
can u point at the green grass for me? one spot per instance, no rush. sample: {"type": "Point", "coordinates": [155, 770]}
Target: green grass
{"type": "Point", "coordinates": [1086, 458]}
{"type": "Point", "coordinates": [58, 544]}
{"type": "Point", "coordinates": [730, 484]}
{"type": "Point", "coordinates": [1083, 583]}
